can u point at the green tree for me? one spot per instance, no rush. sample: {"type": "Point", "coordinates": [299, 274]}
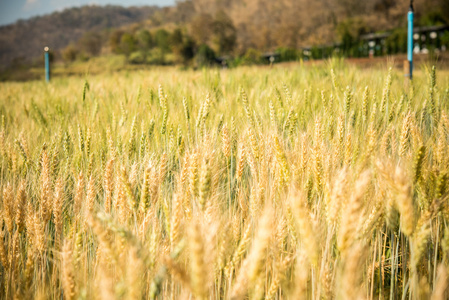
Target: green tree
{"type": "Point", "coordinates": [176, 41]}
{"type": "Point", "coordinates": [445, 39]}
{"type": "Point", "coordinates": [144, 39]}
{"type": "Point", "coordinates": [434, 17]}
{"type": "Point", "coordinates": [252, 56]}
{"type": "Point", "coordinates": [287, 54]}
{"type": "Point", "coordinates": [188, 50]}
{"type": "Point", "coordinates": [349, 32]}
{"type": "Point", "coordinates": [127, 44]}
{"type": "Point", "coordinates": [144, 42]}
{"type": "Point", "coordinates": [176, 38]}
{"type": "Point", "coordinates": [114, 40]}
{"type": "Point", "coordinates": [225, 34]}
{"type": "Point", "coordinates": [397, 41]}
{"type": "Point", "coordinates": [161, 39]}
{"type": "Point", "coordinates": [205, 56]}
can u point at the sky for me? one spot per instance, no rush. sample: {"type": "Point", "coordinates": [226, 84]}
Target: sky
{"type": "Point", "coordinates": [13, 10]}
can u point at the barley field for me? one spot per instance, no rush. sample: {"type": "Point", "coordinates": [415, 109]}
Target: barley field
{"type": "Point", "coordinates": [326, 182]}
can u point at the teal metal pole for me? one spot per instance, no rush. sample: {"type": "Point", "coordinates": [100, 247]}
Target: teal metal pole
{"type": "Point", "coordinates": [410, 40]}
{"type": "Point", "coordinates": [47, 65]}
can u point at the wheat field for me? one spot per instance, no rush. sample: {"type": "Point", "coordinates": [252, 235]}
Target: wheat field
{"type": "Point", "coordinates": [325, 182]}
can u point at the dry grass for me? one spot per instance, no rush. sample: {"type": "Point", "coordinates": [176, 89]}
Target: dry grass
{"type": "Point", "coordinates": [312, 183]}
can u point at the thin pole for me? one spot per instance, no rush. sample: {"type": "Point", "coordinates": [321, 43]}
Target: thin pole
{"type": "Point", "coordinates": [47, 65]}
{"type": "Point", "coordinates": [410, 39]}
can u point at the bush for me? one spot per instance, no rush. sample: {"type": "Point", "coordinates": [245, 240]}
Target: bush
{"type": "Point", "coordinates": [445, 39]}
{"type": "Point", "coordinates": [397, 41]}
{"type": "Point", "coordinates": [69, 53]}
{"type": "Point", "coordinates": [252, 56]}
{"type": "Point", "coordinates": [127, 44]}
{"type": "Point", "coordinates": [287, 54]}
{"type": "Point", "coordinates": [137, 57]}
{"type": "Point", "coordinates": [205, 56]}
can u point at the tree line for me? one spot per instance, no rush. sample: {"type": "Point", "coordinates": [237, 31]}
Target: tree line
{"type": "Point", "coordinates": [195, 32]}
{"type": "Point", "coordinates": [200, 42]}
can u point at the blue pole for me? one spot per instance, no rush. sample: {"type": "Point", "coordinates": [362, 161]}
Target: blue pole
{"type": "Point", "coordinates": [410, 40]}
{"type": "Point", "coordinates": [47, 65]}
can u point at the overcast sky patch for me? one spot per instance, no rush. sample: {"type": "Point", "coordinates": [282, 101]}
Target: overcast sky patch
{"type": "Point", "coordinates": [13, 10]}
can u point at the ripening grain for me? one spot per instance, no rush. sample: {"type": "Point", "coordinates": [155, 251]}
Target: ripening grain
{"type": "Point", "coordinates": [281, 183]}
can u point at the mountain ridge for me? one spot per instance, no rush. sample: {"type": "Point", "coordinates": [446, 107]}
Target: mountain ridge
{"type": "Point", "coordinates": [24, 40]}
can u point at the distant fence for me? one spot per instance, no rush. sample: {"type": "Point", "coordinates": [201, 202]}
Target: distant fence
{"type": "Point", "coordinates": [426, 39]}
{"type": "Point", "coordinates": [429, 39]}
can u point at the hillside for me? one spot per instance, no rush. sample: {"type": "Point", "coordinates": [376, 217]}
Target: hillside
{"type": "Point", "coordinates": [209, 28]}
{"type": "Point", "coordinates": [25, 39]}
